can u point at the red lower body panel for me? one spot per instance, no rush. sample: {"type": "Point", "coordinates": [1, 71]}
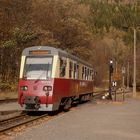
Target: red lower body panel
{"type": "Point", "coordinates": [61, 88]}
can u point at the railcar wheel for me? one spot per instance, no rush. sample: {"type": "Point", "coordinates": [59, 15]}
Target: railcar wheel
{"type": "Point", "coordinates": [91, 97]}
{"type": "Point", "coordinates": [67, 105]}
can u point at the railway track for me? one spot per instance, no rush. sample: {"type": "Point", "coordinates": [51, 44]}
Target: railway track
{"type": "Point", "coordinates": [17, 121]}
{"type": "Point", "coordinates": [99, 94]}
{"type": "Point", "coordinates": [96, 94]}
{"type": "Point", "coordinates": [7, 100]}
{"type": "Point", "coordinates": [22, 119]}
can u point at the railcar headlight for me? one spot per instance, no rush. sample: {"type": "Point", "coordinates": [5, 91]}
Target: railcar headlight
{"type": "Point", "coordinates": [47, 88]}
{"type": "Point", "coordinates": [23, 88]}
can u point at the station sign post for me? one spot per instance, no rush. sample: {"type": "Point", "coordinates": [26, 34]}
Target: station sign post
{"type": "Point", "coordinates": [114, 85]}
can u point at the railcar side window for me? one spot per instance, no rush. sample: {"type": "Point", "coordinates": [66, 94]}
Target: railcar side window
{"type": "Point", "coordinates": [70, 69]}
{"type": "Point", "coordinates": [83, 71]}
{"type": "Point", "coordinates": [87, 73]}
{"type": "Point", "coordinates": [91, 74]}
{"type": "Point", "coordinates": [62, 67]}
{"type": "Point", "coordinates": [75, 71]}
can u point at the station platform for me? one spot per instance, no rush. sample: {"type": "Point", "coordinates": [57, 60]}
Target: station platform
{"type": "Point", "coordinates": [9, 106]}
{"type": "Point", "coordinates": [90, 121]}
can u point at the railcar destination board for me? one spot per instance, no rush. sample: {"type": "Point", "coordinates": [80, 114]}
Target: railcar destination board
{"type": "Point", "coordinates": [40, 52]}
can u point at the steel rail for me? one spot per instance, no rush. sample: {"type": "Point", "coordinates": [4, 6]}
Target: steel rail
{"type": "Point", "coordinates": [19, 121]}
{"type": "Point", "coordinates": [24, 121]}
{"type": "Point", "coordinates": [29, 119]}
{"type": "Point", "coordinates": [103, 92]}
{"type": "Point", "coordinates": [8, 100]}
{"type": "Point", "coordinates": [11, 118]}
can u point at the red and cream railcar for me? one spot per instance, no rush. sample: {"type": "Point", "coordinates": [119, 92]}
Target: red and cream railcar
{"type": "Point", "coordinates": [50, 77]}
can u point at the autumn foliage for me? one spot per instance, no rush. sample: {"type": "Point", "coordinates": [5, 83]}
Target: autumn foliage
{"type": "Point", "coordinates": [89, 29]}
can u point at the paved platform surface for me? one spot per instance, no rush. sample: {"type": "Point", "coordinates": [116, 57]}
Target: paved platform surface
{"type": "Point", "coordinates": [90, 121]}
{"type": "Point", "coordinates": [9, 106]}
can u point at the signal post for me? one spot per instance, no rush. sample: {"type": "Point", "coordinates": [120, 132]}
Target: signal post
{"type": "Point", "coordinates": [110, 79]}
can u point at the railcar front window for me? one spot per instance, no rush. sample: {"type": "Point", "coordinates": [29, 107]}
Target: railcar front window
{"type": "Point", "coordinates": [38, 68]}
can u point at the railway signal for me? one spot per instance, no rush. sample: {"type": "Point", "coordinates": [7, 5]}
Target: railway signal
{"type": "Point", "coordinates": [110, 79]}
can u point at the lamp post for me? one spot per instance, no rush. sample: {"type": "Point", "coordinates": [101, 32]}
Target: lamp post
{"type": "Point", "coordinates": [128, 75]}
{"type": "Point", "coordinates": [134, 72]}
{"type": "Point", "coordinates": [134, 60]}
{"type": "Point", "coordinates": [110, 78]}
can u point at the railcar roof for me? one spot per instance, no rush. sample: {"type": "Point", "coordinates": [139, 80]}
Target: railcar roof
{"type": "Point", "coordinates": [54, 51]}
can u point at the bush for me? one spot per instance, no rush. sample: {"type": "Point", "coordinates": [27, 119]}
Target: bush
{"type": "Point", "coordinates": [4, 86]}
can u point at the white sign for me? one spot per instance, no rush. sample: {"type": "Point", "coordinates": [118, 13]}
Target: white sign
{"type": "Point", "coordinates": [114, 83]}
{"type": "Point", "coordinates": [123, 70]}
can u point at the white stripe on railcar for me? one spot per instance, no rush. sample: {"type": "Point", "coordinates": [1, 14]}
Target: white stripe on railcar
{"type": "Point", "coordinates": [55, 67]}
{"type": "Point", "coordinates": [22, 66]}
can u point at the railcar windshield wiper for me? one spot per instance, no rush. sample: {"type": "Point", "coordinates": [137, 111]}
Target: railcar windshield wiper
{"type": "Point", "coordinates": [47, 71]}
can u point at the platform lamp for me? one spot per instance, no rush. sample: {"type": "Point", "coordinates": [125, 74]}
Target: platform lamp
{"type": "Point", "coordinates": [110, 79]}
